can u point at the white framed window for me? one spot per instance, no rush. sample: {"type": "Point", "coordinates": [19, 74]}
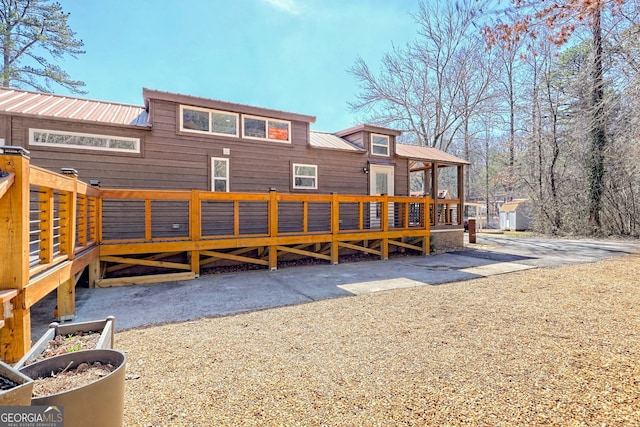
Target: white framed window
{"type": "Point", "coordinates": [305, 177]}
{"type": "Point", "coordinates": [86, 141]}
{"type": "Point", "coordinates": [255, 127]}
{"type": "Point", "coordinates": [219, 174]}
{"type": "Point", "coordinates": [379, 144]}
{"type": "Point", "coordinates": [211, 122]}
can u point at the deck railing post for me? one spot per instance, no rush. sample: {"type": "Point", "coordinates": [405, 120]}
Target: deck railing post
{"type": "Point", "coordinates": [335, 228]}
{"type": "Point", "coordinates": [69, 216]}
{"type": "Point", "coordinates": [384, 214]}
{"type": "Point", "coordinates": [426, 213]}
{"type": "Point", "coordinates": [195, 228]}
{"type": "Point", "coordinates": [66, 292]}
{"type": "Point", "coordinates": [15, 336]}
{"type": "Point", "coordinates": [273, 228]}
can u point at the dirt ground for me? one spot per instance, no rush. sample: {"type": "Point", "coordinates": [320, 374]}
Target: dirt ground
{"type": "Point", "coordinates": [554, 346]}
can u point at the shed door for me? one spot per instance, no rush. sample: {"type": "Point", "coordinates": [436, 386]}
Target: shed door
{"type": "Point", "coordinates": [381, 181]}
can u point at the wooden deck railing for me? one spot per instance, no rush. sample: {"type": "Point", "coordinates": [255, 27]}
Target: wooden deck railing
{"type": "Point", "coordinates": [255, 228]}
{"type": "Point", "coordinates": [48, 226]}
{"type": "Point", "coordinates": [53, 227]}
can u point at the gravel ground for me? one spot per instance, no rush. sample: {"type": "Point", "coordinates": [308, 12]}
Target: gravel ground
{"type": "Point", "coordinates": [539, 347]}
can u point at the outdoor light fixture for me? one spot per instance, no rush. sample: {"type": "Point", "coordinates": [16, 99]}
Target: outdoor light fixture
{"type": "Point", "coordinates": [365, 169]}
{"type": "Point", "coordinates": [69, 171]}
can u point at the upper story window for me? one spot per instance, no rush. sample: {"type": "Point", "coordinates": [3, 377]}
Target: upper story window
{"type": "Point", "coordinates": [379, 144]}
{"type": "Point", "coordinates": [202, 120]}
{"type": "Point", "coordinates": [58, 138]}
{"type": "Point", "coordinates": [305, 177]}
{"type": "Point", "coordinates": [268, 129]}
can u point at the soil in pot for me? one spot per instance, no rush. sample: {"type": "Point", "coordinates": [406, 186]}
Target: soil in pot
{"type": "Point", "coordinates": [69, 379]}
{"type": "Point", "coordinates": [62, 344]}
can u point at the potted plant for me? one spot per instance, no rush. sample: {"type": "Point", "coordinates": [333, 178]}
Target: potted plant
{"type": "Point", "coordinates": [105, 328]}
{"type": "Point", "coordinates": [15, 387]}
{"type": "Point", "coordinates": [95, 399]}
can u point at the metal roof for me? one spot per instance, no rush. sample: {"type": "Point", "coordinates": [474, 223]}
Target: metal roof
{"type": "Point", "coordinates": [331, 141]}
{"type": "Point", "coordinates": [512, 206]}
{"type": "Point", "coordinates": [49, 105]}
{"type": "Point", "coordinates": [430, 154]}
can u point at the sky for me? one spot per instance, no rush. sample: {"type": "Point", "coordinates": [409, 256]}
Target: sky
{"type": "Point", "coordinates": [289, 55]}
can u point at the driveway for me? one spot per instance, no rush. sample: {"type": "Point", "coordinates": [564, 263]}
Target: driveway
{"type": "Point", "coordinates": [226, 294]}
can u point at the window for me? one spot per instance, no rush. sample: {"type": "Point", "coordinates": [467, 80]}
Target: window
{"type": "Point", "coordinates": [219, 174]}
{"type": "Point", "coordinates": [305, 176]}
{"type": "Point", "coordinates": [193, 119]}
{"type": "Point", "coordinates": [58, 138]}
{"type": "Point", "coordinates": [267, 129]}
{"type": "Point", "coordinates": [379, 144]}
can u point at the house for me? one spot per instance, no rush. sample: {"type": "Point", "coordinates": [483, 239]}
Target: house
{"type": "Point", "coordinates": [515, 215]}
{"type": "Point", "coordinates": [180, 142]}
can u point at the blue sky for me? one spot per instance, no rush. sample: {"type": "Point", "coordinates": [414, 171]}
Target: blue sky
{"type": "Point", "coordinates": [289, 55]}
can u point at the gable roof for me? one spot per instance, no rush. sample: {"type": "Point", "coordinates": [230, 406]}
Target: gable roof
{"type": "Point", "coordinates": [49, 105]}
{"type": "Point", "coordinates": [428, 153]}
{"type": "Point", "coordinates": [331, 141]}
{"type": "Point", "coordinates": [512, 205]}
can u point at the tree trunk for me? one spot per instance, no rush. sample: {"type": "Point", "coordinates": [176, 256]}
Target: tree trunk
{"type": "Point", "coordinates": [597, 131]}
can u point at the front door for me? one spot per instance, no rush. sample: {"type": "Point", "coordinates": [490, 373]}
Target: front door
{"type": "Point", "coordinates": [381, 181]}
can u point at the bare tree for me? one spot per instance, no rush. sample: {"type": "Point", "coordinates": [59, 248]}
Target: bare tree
{"type": "Point", "coordinates": [430, 88]}
{"type": "Point", "coordinates": [561, 20]}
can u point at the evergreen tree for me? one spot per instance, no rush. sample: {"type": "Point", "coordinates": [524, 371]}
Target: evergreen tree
{"type": "Point", "coordinates": [34, 34]}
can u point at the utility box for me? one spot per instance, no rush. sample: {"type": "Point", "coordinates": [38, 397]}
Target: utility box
{"type": "Point", "coordinates": [472, 230]}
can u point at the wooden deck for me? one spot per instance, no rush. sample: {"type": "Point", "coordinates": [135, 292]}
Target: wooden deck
{"type": "Point", "coordinates": [54, 227]}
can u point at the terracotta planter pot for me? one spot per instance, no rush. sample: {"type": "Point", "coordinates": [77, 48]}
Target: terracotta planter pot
{"type": "Point", "coordinates": [105, 327]}
{"type": "Point", "coordinates": [98, 404]}
{"type": "Point", "coordinates": [20, 395]}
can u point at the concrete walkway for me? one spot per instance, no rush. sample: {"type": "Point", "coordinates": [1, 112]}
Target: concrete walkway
{"type": "Point", "coordinates": [225, 294]}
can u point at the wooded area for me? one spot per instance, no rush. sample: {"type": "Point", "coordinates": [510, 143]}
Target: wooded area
{"type": "Point", "coordinates": [540, 97]}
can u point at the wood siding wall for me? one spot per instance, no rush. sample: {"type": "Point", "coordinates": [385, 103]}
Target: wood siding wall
{"type": "Point", "coordinates": [171, 159]}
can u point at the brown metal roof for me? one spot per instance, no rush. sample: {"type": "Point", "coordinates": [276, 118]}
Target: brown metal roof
{"type": "Point", "coordinates": [331, 141]}
{"type": "Point", "coordinates": [428, 154]}
{"type": "Point", "coordinates": [48, 105]}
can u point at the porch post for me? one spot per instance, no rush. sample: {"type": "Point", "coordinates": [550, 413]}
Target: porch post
{"type": "Point", "coordinates": [15, 336]}
{"type": "Point", "coordinates": [434, 193]}
{"type": "Point", "coordinates": [461, 194]}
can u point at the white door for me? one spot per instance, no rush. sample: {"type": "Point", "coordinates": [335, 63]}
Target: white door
{"type": "Point", "coordinates": [381, 181]}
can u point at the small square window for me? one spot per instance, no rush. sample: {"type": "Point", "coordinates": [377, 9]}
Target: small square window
{"type": "Point", "coordinates": [380, 144]}
{"type": "Point", "coordinates": [255, 128]}
{"type": "Point", "coordinates": [305, 176]}
{"type": "Point", "coordinates": [195, 120]}
{"type": "Point", "coordinates": [224, 123]}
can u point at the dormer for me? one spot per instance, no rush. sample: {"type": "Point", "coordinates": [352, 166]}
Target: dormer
{"type": "Point", "coordinates": [376, 140]}
{"type": "Point", "coordinates": [205, 117]}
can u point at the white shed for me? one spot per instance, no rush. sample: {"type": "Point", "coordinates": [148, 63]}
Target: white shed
{"type": "Point", "coordinates": [515, 215]}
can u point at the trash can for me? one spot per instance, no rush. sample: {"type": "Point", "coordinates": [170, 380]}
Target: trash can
{"type": "Point", "coordinates": [472, 230]}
